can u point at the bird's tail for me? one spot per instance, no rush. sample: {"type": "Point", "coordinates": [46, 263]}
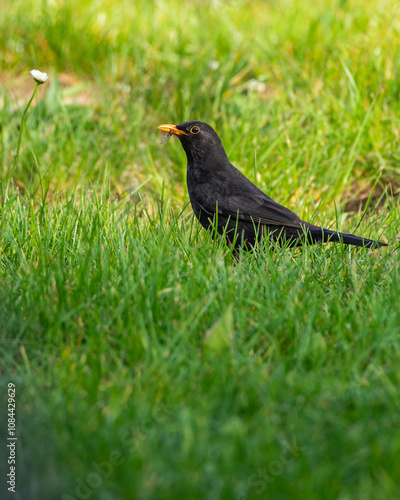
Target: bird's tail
{"type": "Point", "coordinates": [350, 239]}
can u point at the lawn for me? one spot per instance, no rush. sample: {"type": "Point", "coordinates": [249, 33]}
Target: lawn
{"type": "Point", "coordinates": [148, 363]}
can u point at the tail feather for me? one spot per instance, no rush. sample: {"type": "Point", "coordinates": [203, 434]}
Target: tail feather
{"type": "Point", "coordinates": [350, 239]}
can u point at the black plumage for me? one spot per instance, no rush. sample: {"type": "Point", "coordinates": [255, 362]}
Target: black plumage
{"type": "Point", "coordinates": [224, 199]}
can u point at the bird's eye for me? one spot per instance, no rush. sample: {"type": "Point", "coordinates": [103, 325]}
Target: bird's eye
{"type": "Point", "coordinates": [195, 130]}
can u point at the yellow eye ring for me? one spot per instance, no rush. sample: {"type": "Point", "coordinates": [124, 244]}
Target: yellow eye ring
{"type": "Point", "coordinates": [195, 130]}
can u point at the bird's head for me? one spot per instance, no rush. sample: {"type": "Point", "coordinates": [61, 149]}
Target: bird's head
{"type": "Point", "coordinates": [198, 139]}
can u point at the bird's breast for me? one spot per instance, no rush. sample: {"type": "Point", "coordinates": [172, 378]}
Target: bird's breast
{"type": "Point", "coordinates": [202, 197]}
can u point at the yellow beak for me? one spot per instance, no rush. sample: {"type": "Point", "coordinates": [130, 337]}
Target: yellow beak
{"type": "Point", "coordinates": [171, 129]}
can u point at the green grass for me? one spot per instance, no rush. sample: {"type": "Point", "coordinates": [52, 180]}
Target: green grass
{"type": "Point", "coordinates": [148, 363]}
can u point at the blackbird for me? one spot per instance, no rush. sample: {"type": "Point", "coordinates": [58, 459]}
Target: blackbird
{"type": "Point", "coordinates": [225, 201]}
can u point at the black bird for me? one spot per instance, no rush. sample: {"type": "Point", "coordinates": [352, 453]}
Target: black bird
{"type": "Point", "coordinates": [223, 199]}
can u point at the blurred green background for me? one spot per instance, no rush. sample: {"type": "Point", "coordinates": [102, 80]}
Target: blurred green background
{"type": "Point", "coordinates": [305, 93]}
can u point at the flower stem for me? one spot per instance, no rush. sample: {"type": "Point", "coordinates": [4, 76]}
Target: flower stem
{"type": "Point", "coordinates": [21, 129]}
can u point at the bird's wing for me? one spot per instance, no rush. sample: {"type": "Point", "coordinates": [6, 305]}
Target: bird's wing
{"type": "Point", "coordinates": [238, 198]}
{"type": "Point", "coordinates": [259, 209]}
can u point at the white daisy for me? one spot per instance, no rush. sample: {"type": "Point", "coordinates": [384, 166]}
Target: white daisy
{"type": "Point", "coordinates": [38, 76]}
